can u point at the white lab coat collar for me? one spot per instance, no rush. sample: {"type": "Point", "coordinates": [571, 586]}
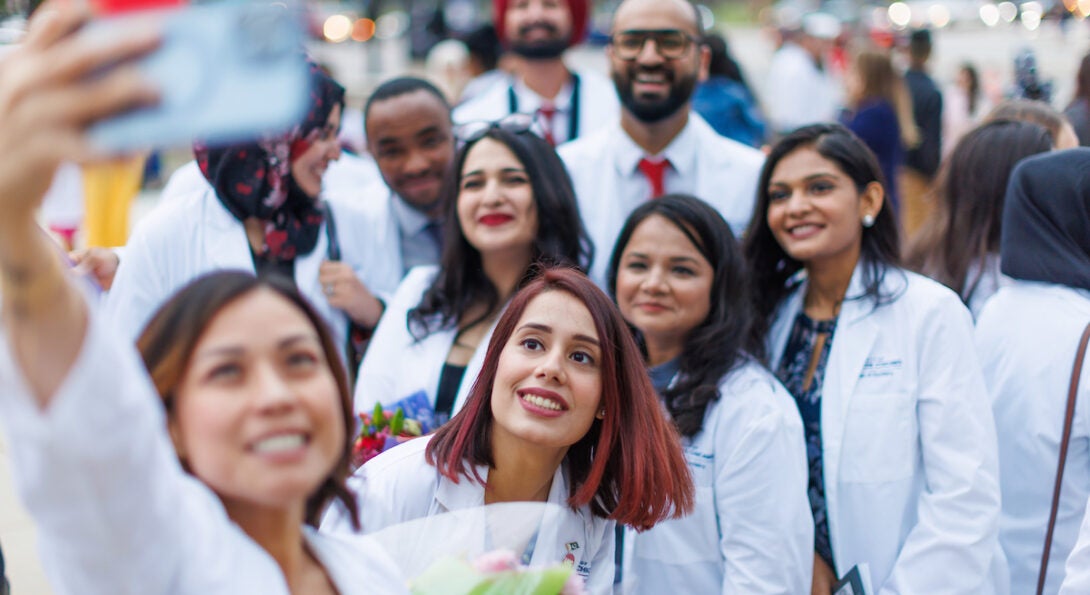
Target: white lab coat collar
{"type": "Point", "coordinates": [529, 101]}
{"type": "Point", "coordinates": [457, 496]}
{"type": "Point", "coordinates": [682, 152]}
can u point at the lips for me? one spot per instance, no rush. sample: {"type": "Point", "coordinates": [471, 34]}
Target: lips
{"type": "Point", "coordinates": [278, 445]}
{"type": "Point", "coordinates": [542, 402]}
{"type": "Point", "coordinates": [803, 231]}
{"type": "Point", "coordinates": [651, 307]}
{"type": "Point", "coordinates": [495, 219]}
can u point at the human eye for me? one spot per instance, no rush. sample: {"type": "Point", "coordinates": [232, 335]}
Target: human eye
{"type": "Point", "coordinates": [302, 359]}
{"type": "Point", "coordinates": [432, 141]}
{"type": "Point", "coordinates": [224, 371]}
{"type": "Point", "coordinates": [778, 194]}
{"type": "Point", "coordinates": [629, 42]}
{"type": "Point", "coordinates": [821, 187]}
{"type": "Point", "coordinates": [516, 179]}
{"type": "Point", "coordinates": [683, 271]}
{"type": "Point", "coordinates": [531, 344]}
{"type": "Point", "coordinates": [582, 357]}
{"type": "Point", "coordinates": [389, 153]}
{"type": "Point", "coordinates": [472, 182]}
{"type": "Point", "coordinates": [672, 42]}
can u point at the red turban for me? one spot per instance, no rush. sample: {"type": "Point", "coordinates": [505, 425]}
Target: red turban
{"type": "Point", "coordinates": [580, 17]}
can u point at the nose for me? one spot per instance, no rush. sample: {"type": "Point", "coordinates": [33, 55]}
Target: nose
{"type": "Point", "coordinates": [333, 153]}
{"type": "Point", "coordinates": [654, 282]}
{"type": "Point", "coordinates": [272, 393]}
{"type": "Point", "coordinates": [491, 193]}
{"type": "Point", "coordinates": [551, 366]}
{"type": "Point", "coordinates": [649, 53]}
{"type": "Point", "coordinates": [797, 203]}
{"type": "Point", "coordinates": [417, 163]}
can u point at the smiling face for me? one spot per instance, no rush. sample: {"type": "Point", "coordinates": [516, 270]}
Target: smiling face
{"type": "Point", "coordinates": [257, 414]}
{"type": "Point", "coordinates": [538, 29]}
{"type": "Point", "coordinates": [496, 207]}
{"type": "Point", "coordinates": [410, 136]}
{"type": "Point", "coordinates": [548, 386]}
{"type": "Point", "coordinates": [815, 211]}
{"type": "Point", "coordinates": [650, 86]}
{"type": "Point", "coordinates": [663, 286]}
{"type": "Point", "coordinates": [309, 166]}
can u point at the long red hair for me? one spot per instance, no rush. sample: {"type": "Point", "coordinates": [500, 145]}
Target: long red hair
{"type": "Point", "coordinates": [629, 466]}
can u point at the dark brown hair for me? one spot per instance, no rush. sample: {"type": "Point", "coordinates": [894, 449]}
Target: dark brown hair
{"type": "Point", "coordinates": [167, 343]}
{"type": "Point", "coordinates": [629, 466]}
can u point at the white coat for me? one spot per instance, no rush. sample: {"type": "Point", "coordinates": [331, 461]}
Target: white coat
{"type": "Point", "coordinates": [1026, 337]}
{"type": "Point", "coordinates": [115, 512]}
{"type": "Point", "coordinates": [399, 485]}
{"type": "Point", "coordinates": [751, 531]}
{"type": "Point", "coordinates": [598, 104]}
{"type": "Point", "coordinates": [1077, 571]}
{"type": "Point", "coordinates": [713, 168]}
{"type": "Point", "coordinates": [908, 439]}
{"type": "Point", "coordinates": [397, 365]}
{"type": "Point", "coordinates": [195, 234]}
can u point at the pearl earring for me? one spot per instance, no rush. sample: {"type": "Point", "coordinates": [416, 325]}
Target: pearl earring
{"type": "Point", "coordinates": [868, 220]}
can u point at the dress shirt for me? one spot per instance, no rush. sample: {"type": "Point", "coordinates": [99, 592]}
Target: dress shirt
{"type": "Point", "coordinates": [418, 245]}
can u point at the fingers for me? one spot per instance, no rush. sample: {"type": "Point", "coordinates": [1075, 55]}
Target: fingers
{"type": "Point", "coordinates": [54, 21]}
{"type": "Point", "coordinates": [122, 89]}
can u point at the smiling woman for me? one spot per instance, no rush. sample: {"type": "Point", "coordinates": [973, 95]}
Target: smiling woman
{"type": "Point", "coordinates": [562, 412]}
{"type": "Point", "coordinates": [509, 207]}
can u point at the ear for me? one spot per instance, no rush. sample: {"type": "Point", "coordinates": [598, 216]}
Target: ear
{"type": "Point", "coordinates": [705, 58]}
{"type": "Point", "coordinates": [872, 199]}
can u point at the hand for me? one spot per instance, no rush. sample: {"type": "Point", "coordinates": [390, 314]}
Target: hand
{"type": "Point", "coordinates": [343, 290]}
{"type": "Point", "coordinates": [100, 263]}
{"type": "Point", "coordinates": [824, 577]}
{"type": "Point", "coordinates": [48, 98]}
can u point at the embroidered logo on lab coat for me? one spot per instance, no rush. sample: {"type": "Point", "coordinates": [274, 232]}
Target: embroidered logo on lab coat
{"type": "Point", "coordinates": [878, 366]}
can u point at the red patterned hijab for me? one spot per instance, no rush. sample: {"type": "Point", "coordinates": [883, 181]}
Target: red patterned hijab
{"type": "Point", "coordinates": [254, 179]}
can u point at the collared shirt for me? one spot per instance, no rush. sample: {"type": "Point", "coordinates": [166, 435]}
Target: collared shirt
{"type": "Point", "coordinates": [680, 177]}
{"type": "Point", "coordinates": [528, 102]}
{"type": "Point", "coordinates": [418, 246]}
{"type": "Point", "coordinates": [798, 92]}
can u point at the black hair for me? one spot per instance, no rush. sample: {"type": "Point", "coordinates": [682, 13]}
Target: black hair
{"type": "Point", "coordinates": [972, 183]}
{"type": "Point", "coordinates": [919, 45]}
{"type": "Point", "coordinates": [724, 339]}
{"type": "Point", "coordinates": [722, 62]}
{"type": "Point", "coordinates": [402, 86]}
{"type": "Point", "coordinates": [561, 238]}
{"type": "Point", "coordinates": [773, 268]}
{"type": "Point", "coordinates": [484, 44]}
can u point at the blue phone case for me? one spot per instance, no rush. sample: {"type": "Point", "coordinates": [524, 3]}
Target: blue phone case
{"type": "Point", "coordinates": [227, 72]}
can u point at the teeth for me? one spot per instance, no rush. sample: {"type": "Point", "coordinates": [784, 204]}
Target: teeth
{"type": "Point", "coordinates": [541, 402]}
{"type": "Point", "coordinates": [803, 229]}
{"type": "Point", "coordinates": [279, 444]}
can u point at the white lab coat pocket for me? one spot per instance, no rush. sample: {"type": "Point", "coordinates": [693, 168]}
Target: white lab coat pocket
{"type": "Point", "coordinates": [690, 539]}
{"type": "Point", "coordinates": [879, 438]}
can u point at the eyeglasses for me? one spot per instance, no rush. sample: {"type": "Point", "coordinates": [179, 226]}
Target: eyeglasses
{"type": "Point", "coordinates": [670, 44]}
{"type": "Point", "coordinates": [471, 132]}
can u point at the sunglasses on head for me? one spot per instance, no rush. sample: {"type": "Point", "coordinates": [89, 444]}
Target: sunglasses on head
{"type": "Point", "coordinates": [471, 132]}
{"type": "Point", "coordinates": [670, 44]}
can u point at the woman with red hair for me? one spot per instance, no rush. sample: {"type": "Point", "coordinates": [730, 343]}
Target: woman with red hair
{"type": "Point", "coordinates": [562, 412]}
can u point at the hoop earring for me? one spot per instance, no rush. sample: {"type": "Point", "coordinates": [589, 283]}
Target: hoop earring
{"type": "Point", "coordinates": [868, 220]}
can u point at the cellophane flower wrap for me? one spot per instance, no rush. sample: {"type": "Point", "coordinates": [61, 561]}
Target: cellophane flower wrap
{"type": "Point", "coordinates": [496, 573]}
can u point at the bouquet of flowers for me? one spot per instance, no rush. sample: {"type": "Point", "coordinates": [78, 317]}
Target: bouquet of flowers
{"type": "Point", "coordinates": [382, 430]}
{"type": "Point", "coordinates": [496, 573]}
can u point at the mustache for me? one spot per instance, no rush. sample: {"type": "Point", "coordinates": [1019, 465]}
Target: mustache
{"type": "Point", "coordinates": [543, 25]}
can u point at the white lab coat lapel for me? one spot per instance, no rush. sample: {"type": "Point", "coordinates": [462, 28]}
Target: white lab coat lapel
{"type": "Point", "coordinates": [853, 339]}
{"type": "Point", "coordinates": [225, 243]}
{"type": "Point", "coordinates": [473, 368]}
{"type": "Point", "coordinates": [391, 232]}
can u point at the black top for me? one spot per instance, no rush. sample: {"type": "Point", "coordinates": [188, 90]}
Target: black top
{"type": "Point", "coordinates": [449, 381]}
{"type": "Point", "coordinates": [267, 268]}
{"type": "Point", "coordinates": [927, 112]}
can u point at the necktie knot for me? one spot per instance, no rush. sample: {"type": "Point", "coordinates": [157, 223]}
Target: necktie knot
{"type": "Point", "coordinates": [655, 172]}
{"type": "Point", "coordinates": [545, 115]}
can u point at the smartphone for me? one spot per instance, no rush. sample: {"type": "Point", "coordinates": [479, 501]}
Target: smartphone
{"type": "Point", "coordinates": [226, 72]}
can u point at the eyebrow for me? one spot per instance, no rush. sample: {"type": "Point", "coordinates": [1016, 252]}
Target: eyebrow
{"type": "Point", "coordinates": [506, 170]}
{"type": "Point", "coordinates": [235, 350]}
{"type": "Point", "coordinates": [672, 258]}
{"type": "Point", "coordinates": [548, 329]}
{"type": "Point", "coordinates": [808, 178]}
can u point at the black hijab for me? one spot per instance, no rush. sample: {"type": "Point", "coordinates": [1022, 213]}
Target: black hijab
{"type": "Point", "coordinates": [1046, 219]}
{"type": "Point", "coordinates": [254, 179]}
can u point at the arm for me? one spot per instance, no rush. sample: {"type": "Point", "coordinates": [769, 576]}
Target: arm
{"type": "Point", "coordinates": [951, 548]}
{"type": "Point", "coordinates": [765, 525]}
{"type": "Point", "coordinates": [1077, 572]}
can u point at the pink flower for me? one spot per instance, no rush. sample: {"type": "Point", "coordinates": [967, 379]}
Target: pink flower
{"type": "Point", "coordinates": [574, 585]}
{"type": "Point", "coordinates": [496, 561]}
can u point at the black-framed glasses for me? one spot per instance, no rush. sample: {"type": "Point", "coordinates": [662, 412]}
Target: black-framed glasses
{"type": "Point", "coordinates": [471, 132]}
{"type": "Point", "coordinates": [671, 44]}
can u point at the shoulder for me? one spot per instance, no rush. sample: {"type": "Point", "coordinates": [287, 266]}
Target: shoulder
{"type": "Point", "coordinates": [398, 482]}
{"type": "Point", "coordinates": [723, 149]}
{"type": "Point", "coordinates": [588, 147]}
{"type": "Point", "coordinates": [357, 560]}
{"type": "Point", "coordinates": [750, 395]}
{"type": "Point", "coordinates": [171, 219]}
{"type": "Point", "coordinates": [491, 104]}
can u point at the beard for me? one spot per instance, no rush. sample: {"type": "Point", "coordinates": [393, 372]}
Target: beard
{"type": "Point", "coordinates": [548, 48]}
{"type": "Point", "coordinates": [654, 109]}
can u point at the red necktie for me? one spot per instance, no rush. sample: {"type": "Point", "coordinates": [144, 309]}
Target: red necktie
{"type": "Point", "coordinates": [655, 172]}
{"type": "Point", "coordinates": [546, 112]}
